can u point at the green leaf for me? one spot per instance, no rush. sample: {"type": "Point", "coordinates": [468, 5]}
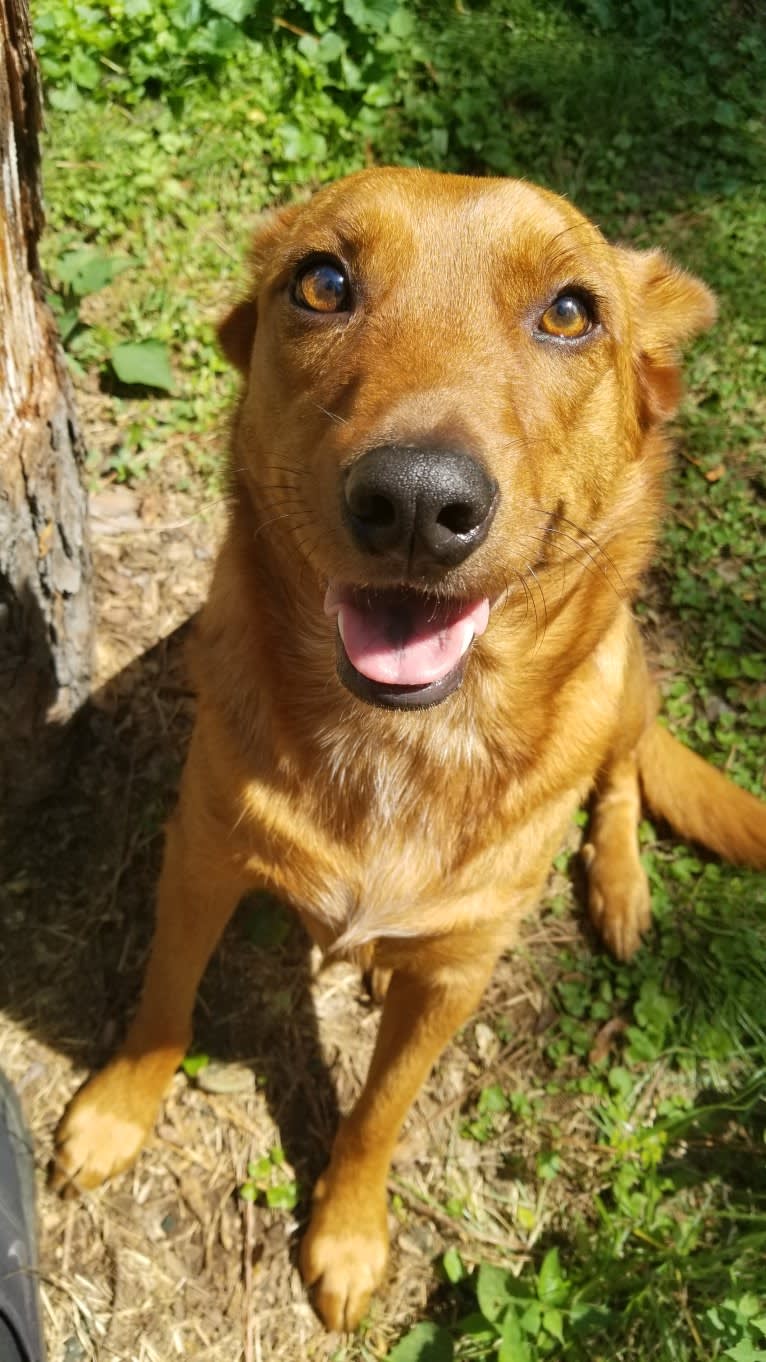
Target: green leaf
{"type": "Point", "coordinates": [330, 47]}
{"type": "Point", "coordinates": [746, 1352]}
{"type": "Point", "coordinates": [402, 23]}
{"type": "Point", "coordinates": [492, 1291]}
{"type": "Point", "coordinates": [424, 1343]}
{"type": "Point", "coordinates": [531, 1318]}
{"type": "Point", "coordinates": [68, 321]}
{"type": "Point", "coordinates": [453, 1266]}
{"type": "Point", "coordinates": [302, 144]}
{"type": "Point", "coordinates": [146, 363]}
{"type": "Point", "coordinates": [193, 1064]}
{"type": "Point", "coordinates": [492, 1100]}
{"type": "Point", "coordinates": [284, 1197]}
{"type": "Point", "coordinates": [551, 1286]}
{"type": "Point", "coordinates": [86, 271]}
{"type": "Point", "coordinates": [84, 71]}
{"type": "Point", "coordinates": [513, 1345]}
{"type": "Point", "coordinates": [553, 1324]}
{"type": "Point", "coordinates": [66, 98]}
{"type": "Point", "coordinates": [548, 1165]}
{"type": "Point", "coordinates": [248, 1192]}
{"type": "Point", "coordinates": [260, 1169]}
{"type": "Point", "coordinates": [370, 15]}
{"type": "Point", "coordinates": [236, 10]}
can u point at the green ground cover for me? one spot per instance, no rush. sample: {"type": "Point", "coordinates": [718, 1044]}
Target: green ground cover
{"type": "Point", "coordinates": [169, 126]}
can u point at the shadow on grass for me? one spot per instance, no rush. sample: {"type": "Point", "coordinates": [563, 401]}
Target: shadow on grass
{"type": "Point", "coordinates": [79, 876]}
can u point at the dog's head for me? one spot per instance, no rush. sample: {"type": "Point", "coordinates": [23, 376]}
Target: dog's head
{"type": "Point", "coordinates": [449, 384]}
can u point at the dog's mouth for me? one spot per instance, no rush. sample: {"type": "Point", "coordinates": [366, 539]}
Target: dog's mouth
{"type": "Point", "coordinates": [403, 649]}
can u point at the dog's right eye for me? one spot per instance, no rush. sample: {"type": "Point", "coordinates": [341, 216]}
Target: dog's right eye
{"type": "Point", "coordinates": [322, 286]}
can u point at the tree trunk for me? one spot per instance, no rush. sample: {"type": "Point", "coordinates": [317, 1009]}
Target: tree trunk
{"type": "Point", "coordinates": [45, 607]}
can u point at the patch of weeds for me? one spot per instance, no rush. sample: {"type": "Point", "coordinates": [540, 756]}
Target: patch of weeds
{"type": "Point", "coordinates": [172, 124]}
{"type": "Point", "coordinates": [494, 1108]}
{"type": "Point", "coordinates": [76, 275]}
{"type": "Point", "coordinates": [668, 1264]}
{"type": "Point", "coordinates": [270, 1183]}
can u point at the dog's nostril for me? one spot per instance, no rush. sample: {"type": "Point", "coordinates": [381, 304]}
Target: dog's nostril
{"type": "Point", "coordinates": [459, 518]}
{"type": "Point", "coordinates": [374, 509]}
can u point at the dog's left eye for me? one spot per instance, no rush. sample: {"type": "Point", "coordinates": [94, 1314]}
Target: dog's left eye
{"type": "Point", "coordinates": [322, 287]}
{"type": "Point", "coordinates": [567, 317]}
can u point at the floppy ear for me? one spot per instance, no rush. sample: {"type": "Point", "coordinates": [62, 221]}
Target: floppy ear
{"type": "Point", "coordinates": [236, 332]}
{"type": "Point", "coordinates": [668, 308]}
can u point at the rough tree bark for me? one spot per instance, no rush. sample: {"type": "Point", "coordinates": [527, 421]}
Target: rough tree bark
{"type": "Point", "coordinates": [45, 615]}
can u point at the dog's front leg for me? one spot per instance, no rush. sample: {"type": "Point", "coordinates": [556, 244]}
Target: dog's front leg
{"type": "Point", "coordinates": [618, 889]}
{"type": "Point", "coordinates": [344, 1252]}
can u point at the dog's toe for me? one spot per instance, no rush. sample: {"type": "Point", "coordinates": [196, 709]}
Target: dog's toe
{"type": "Point", "coordinates": [619, 902]}
{"type": "Point", "coordinates": [343, 1258]}
{"type": "Point", "coordinates": [376, 981]}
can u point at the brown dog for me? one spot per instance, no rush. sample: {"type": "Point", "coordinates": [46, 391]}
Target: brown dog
{"type": "Point", "coordinates": [418, 654]}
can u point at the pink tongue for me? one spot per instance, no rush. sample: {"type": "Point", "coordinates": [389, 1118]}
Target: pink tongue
{"type": "Point", "coordinates": [407, 640]}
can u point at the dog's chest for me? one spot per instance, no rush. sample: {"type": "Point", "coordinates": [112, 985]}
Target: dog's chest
{"type": "Point", "coordinates": [376, 884]}
{"type": "Point", "coordinates": [371, 835]}
{"type": "Point", "coordinates": [372, 850]}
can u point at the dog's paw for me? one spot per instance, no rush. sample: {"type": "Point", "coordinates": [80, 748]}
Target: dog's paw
{"type": "Point", "coordinates": [102, 1130]}
{"type": "Point", "coordinates": [618, 900]}
{"type": "Point", "coordinates": [343, 1256]}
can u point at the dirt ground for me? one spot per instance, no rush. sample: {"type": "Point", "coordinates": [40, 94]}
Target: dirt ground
{"type": "Point", "coordinates": [168, 1260]}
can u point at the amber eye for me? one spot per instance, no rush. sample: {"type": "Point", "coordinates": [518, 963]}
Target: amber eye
{"type": "Point", "coordinates": [567, 317]}
{"type": "Point", "coordinates": [322, 287]}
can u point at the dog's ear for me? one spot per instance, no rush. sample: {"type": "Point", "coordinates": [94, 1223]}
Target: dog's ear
{"type": "Point", "coordinates": [236, 332]}
{"type": "Point", "coordinates": [668, 308]}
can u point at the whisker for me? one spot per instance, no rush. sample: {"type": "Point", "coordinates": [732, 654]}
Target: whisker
{"type": "Point", "coordinates": [283, 501]}
{"type": "Point", "coordinates": [592, 566]}
{"type": "Point", "coordinates": [583, 548]}
{"type": "Point", "coordinates": [527, 596]}
{"type": "Point", "coordinates": [578, 529]}
{"type": "Point", "coordinates": [531, 570]}
{"type": "Point", "coordinates": [265, 523]}
{"type": "Point", "coordinates": [506, 594]}
{"type": "Point", "coordinates": [332, 415]}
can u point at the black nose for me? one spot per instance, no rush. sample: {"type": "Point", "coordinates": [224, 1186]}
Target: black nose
{"type": "Point", "coordinates": [418, 505]}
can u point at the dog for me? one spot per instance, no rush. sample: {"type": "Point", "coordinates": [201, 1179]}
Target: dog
{"type": "Point", "coordinates": [418, 657]}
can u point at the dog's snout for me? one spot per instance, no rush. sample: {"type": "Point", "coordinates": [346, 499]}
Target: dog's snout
{"type": "Point", "coordinates": [419, 505]}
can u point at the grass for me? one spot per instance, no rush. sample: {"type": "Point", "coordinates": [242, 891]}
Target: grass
{"type": "Point", "coordinates": [169, 128]}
